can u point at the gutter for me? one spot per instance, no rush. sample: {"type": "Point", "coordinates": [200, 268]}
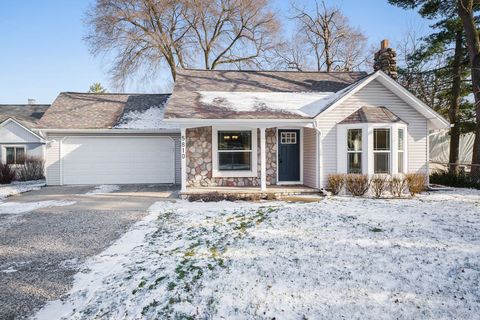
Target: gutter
{"type": "Point", "coordinates": [111, 131]}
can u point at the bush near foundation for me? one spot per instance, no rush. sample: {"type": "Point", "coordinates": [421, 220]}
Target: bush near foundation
{"type": "Point", "coordinates": [335, 183]}
{"type": "Point", "coordinates": [357, 184]}
{"type": "Point", "coordinates": [379, 184]}
{"type": "Point", "coordinates": [416, 183]}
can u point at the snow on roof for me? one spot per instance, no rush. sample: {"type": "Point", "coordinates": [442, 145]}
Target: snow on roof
{"type": "Point", "coordinates": [151, 118]}
{"type": "Point", "coordinates": [306, 104]}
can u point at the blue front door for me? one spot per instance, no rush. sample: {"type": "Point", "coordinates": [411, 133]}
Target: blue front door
{"type": "Point", "coordinates": [288, 155]}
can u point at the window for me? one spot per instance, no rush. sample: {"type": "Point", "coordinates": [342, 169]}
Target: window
{"type": "Point", "coordinates": [401, 150]}
{"type": "Point", "coordinates": [381, 150]}
{"type": "Point", "coordinates": [15, 155]}
{"type": "Point", "coordinates": [288, 138]}
{"type": "Point", "coordinates": [234, 150]}
{"type": "Point", "coordinates": [354, 151]}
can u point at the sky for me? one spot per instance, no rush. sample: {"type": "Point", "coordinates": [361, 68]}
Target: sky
{"type": "Point", "coordinates": [42, 51]}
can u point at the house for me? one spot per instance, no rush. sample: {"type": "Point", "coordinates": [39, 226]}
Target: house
{"type": "Point", "coordinates": [222, 128]}
{"type": "Point", "coordinates": [260, 128]}
{"type": "Point", "coordinates": [109, 139]}
{"type": "Point", "coordinates": [18, 135]}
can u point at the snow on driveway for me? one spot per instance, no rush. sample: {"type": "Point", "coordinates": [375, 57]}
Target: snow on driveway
{"type": "Point", "coordinates": [18, 187]}
{"type": "Point", "coordinates": [23, 207]}
{"type": "Point", "coordinates": [104, 188]}
{"type": "Point", "coordinates": [340, 258]}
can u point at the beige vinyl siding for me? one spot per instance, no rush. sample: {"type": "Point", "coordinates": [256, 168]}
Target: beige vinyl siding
{"type": "Point", "coordinates": [52, 161]}
{"type": "Point", "coordinates": [178, 159]}
{"type": "Point", "coordinates": [309, 157]}
{"type": "Point", "coordinates": [53, 166]}
{"type": "Point", "coordinates": [374, 94]}
{"type": "Point", "coordinates": [11, 132]}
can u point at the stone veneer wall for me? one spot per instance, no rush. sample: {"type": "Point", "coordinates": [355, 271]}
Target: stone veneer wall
{"type": "Point", "coordinates": [199, 160]}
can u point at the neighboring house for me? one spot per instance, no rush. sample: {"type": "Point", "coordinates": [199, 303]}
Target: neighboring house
{"type": "Point", "coordinates": [18, 135]}
{"type": "Point", "coordinates": [440, 150]}
{"type": "Point", "coordinates": [259, 128]}
{"type": "Point", "coordinates": [110, 139]}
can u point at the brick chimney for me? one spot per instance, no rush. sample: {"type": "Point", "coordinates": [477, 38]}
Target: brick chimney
{"type": "Point", "coordinates": [32, 101]}
{"type": "Point", "coordinates": [386, 60]}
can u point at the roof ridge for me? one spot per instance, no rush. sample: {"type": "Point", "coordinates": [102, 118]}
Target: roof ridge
{"type": "Point", "coordinates": [289, 71]}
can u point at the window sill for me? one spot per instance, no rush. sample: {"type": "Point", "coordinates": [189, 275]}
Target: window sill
{"type": "Point", "coordinates": [234, 174]}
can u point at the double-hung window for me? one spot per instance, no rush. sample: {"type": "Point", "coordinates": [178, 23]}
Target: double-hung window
{"type": "Point", "coordinates": [381, 150]}
{"type": "Point", "coordinates": [235, 150]}
{"type": "Point", "coordinates": [401, 150]}
{"type": "Point", "coordinates": [354, 150]}
{"type": "Point", "coordinates": [15, 155]}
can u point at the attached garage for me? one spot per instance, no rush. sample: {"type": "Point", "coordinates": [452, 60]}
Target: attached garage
{"type": "Point", "coordinates": [76, 159]}
{"type": "Point", "coordinates": [110, 139]}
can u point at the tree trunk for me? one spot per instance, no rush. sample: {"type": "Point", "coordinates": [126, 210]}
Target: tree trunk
{"type": "Point", "coordinates": [455, 103]}
{"type": "Point", "coordinates": [465, 11]}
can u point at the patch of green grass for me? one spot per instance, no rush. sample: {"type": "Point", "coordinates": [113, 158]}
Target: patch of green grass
{"type": "Point", "coordinates": [171, 286]}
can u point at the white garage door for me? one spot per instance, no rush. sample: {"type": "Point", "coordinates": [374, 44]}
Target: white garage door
{"type": "Point", "coordinates": [118, 160]}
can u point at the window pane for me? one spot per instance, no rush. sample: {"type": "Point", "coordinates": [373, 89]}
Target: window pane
{"type": "Point", "coordinates": [234, 161]}
{"type": "Point", "coordinates": [20, 156]}
{"type": "Point", "coordinates": [354, 140]}
{"type": "Point", "coordinates": [234, 140]}
{"type": "Point", "coordinates": [400, 139]}
{"type": "Point", "coordinates": [381, 162]}
{"type": "Point", "coordinates": [381, 139]}
{"type": "Point", "coordinates": [400, 163]}
{"type": "Point", "coordinates": [355, 162]}
{"type": "Point", "coordinates": [10, 155]}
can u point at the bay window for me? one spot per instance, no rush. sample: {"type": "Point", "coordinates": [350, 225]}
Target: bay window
{"type": "Point", "coordinates": [234, 150]}
{"type": "Point", "coordinates": [354, 151]}
{"type": "Point", "coordinates": [381, 150]}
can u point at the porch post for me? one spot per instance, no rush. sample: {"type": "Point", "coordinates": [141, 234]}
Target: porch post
{"type": "Point", "coordinates": [263, 160]}
{"type": "Point", "coordinates": [183, 156]}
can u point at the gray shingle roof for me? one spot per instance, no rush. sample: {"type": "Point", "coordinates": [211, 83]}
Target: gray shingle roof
{"type": "Point", "coordinates": [72, 110]}
{"type": "Point", "coordinates": [26, 114]}
{"type": "Point", "coordinates": [185, 100]}
{"type": "Point", "coordinates": [372, 115]}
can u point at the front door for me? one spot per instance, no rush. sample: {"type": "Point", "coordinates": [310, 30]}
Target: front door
{"type": "Point", "coordinates": [288, 155]}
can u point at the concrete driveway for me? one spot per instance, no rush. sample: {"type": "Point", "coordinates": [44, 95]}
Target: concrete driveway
{"type": "Point", "coordinates": [41, 250]}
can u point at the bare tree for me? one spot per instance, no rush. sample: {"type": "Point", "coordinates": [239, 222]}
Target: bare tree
{"type": "Point", "coordinates": [332, 43]}
{"type": "Point", "coordinates": [231, 31]}
{"type": "Point", "coordinates": [141, 33]}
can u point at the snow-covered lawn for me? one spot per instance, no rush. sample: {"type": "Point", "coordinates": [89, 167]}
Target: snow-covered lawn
{"type": "Point", "coordinates": [16, 187]}
{"type": "Point", "coordinates": [342, 258]}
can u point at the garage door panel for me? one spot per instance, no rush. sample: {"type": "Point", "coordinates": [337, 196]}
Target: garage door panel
{"type": "Point", "coordinates": [97, 160]}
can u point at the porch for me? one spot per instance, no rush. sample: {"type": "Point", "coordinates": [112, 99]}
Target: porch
{"type": "Point", "coordinates": [249, 159]}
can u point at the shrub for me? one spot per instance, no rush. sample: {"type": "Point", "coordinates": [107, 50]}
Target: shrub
{"type": "Point", "coordinates": [33, 169]}
{"type": "Point", "coordinates": [335, 183]}
{"type": "Point", "coordinates": [398, 184]}
{"type": "Point", "coordinates": [416, 183]}
{"type": "Point", "coordinates": [7, 173]}
{"type": "Point", "coordinates": [357, 184]}
{"type": "Point", "coordinates": [379, 184]}
{"type": "Point", "coordinates": [458, 180]}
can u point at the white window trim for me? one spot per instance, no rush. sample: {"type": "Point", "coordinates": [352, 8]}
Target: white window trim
{"type": "Point", "coordinates": [389, 151]}
{"type": "Point", "coordinates": [367, 146]}
{"type": "Point", "coordinates": [216, 173]}
{"type": "Point", "coordinates": [354, 151]}
{"type": "Point", "coordinates": [4, 151]}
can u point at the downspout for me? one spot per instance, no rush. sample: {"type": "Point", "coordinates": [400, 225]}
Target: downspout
{"type": "Point", "coordinates": [319, 152]}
